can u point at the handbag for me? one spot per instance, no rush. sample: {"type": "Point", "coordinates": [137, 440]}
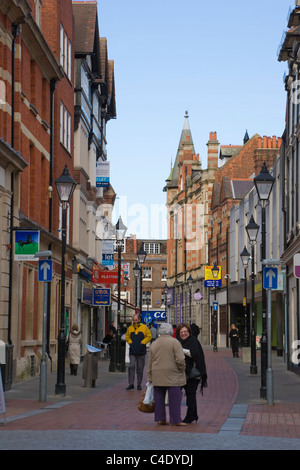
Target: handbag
{"type": "Point", "coordinates": [146, 403]}
{"type": "Point", "coordinates": [194, 373]}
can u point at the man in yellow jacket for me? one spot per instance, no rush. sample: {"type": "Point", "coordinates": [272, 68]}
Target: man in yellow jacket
{"type": "Point", "coordinates": [137, 336]}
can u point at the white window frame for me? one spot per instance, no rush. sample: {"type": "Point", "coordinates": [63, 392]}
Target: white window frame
{"type": "Point", "coordinates": [164, 273]}
{"type": "Point", "coordinates": [65, 52]}
{"type": "Point", "coordinates": [123, 250]}
{"type": "Point", "coordinates": [147, 273]}
{"type": "Point", "coordinates": [152, 248]}
{"type": "Point", "coordinates": [65, 127]}
{"type": "Point", "coordinates": [144, 296]}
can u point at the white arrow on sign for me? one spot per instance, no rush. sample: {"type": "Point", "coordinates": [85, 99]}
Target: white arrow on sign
{"type": "Point", "coordinates": [44, 267]}
{"type": "Point", "coordinates": [270, 274]}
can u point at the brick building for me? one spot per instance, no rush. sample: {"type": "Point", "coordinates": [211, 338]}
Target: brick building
{"type": "Point", "coordinates": [233, 181]}
{"type": "Point", "coordinates": [199, 203]}
{"type": "Point", "coordinates": [154, 274]}
{"type": "Point", "coordinates": [188, 192]}
{"type": "Point", "coordinates": [30, 70]}
{"type": "Point", "coordinates": [37, 122]}
{"type": "Point", "coordinates": [95, 105]}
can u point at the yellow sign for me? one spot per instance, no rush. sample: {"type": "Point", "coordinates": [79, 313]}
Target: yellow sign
{"type": "Point", "coordinates": [244, 301]}
{"type": "Point", "coordinates": [209, 275]}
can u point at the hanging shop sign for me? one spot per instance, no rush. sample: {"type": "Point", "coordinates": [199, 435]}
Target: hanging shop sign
{"type": "Point", "coordinates": [210, 280]}
{"type": "Point", "coordinates": [107, 252]}
{"type": "Point", "coordinates": [86, 294]}
{"type": "Point", "coordinates": [109, 277]}
{"type": "Point", "coordinates": [102, 174]}
{"type": "Point", "coordinates": [101, 297]}
{"type": "Point", "coordinates": [125, 267]}
{"type": "Point", "coordinates": [26, 245]}
{"type": "Point", "coordinates": [170, 296]}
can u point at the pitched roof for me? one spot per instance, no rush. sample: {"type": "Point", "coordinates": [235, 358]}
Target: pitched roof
{"type": "Point", "coordinates": [228, 151]}
{"type": "Point", "coordinates": [241, 187]}
{"type": "Point", "coordinates": [112, 112]}
{"type": "Point", "coordinates": [86, 37]}
{"type": "Point", "coordinates": [230, 189]}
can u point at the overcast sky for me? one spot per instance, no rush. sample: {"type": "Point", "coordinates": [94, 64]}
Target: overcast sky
{"type": "Point", "coordinates": [217, 60]}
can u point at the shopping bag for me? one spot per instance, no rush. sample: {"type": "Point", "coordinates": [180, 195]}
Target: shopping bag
{"type": "Point", "coordinates": [149, 395]}
{"type": "Point", "coordinates": [146, 403]}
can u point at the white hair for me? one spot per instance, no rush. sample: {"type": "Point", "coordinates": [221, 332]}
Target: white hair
{"type": "Point", "coordinates": [165, 329]}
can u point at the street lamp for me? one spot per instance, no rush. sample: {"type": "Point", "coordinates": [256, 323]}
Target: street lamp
{"type": "Point", "coordinates": [136, 271]}
{"type": "Point", "coordinates": [215, 273]}
{"type": "Point", "coordinates": [125, 283]}
{"type": "Point", "coordinates": [245, 260]}
{"type": "Point", "coordinates": [141, 257]}
{"type": "Point", "coordinates": [190, 283]}
{"type": "Point", "coordinates": [166, 292]}
{"type": "Point", "coordinates": [264, 184]}
{"type": "Point", "coordinates": [120, 230]}
{"type": "Point", "coordinates": [252, 231]}
{"type": "Point", "coordinates": [65, 186]}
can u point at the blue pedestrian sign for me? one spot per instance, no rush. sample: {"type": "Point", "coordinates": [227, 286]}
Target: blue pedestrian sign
{"type": "Point", "coordinates": [45, 270]}
{"type": "Point", "coordinates": [215, 306]}
{"type": "Point", "coordinates": [271, 278]}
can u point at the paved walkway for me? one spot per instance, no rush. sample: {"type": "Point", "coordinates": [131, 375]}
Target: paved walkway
{"type": "Point", "coordinates": [231, 413]}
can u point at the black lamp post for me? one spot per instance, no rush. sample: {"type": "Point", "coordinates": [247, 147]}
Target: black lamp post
{"type": "Point", "coordinates": [141, 257]}
{"type": "Point", "coordinates": [264, 184]}
{"type": "Point", "coordinates": [65, 186]}
{"type": "Point", "coordinates": [252, 231]}
{"type": "Point", "coordinates": [245, 260]}
{"type": "Point", "coordinates": [215, 273]}
{"type": "Point", "coordinates": [120, 234]}
{"type": "Point", "coordinates": [166, 292]}
{"type": "Point", "coordinates": [190, 283]}
{"type": "Point", "coordinates": [125, 283]}
{"type": "Point", "coordinates": [136, 271]}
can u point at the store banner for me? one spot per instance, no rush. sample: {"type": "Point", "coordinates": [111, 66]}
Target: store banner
{"type": "Point", "coordinates": [102, 174]}
{"type": "Point", "coordinates": [26, 245]}
{"type": "Point", "coordinates": [101, 297]}
{"type": "Point", "coordinates": [107, 252]}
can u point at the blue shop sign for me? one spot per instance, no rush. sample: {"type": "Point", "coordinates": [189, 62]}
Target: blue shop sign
{"type": "Point", "coordinates": [153, 316]}
{"type": "Point", "coordinates": [101, 297]}
{"type": "Point", "coordinates": [86, 295]}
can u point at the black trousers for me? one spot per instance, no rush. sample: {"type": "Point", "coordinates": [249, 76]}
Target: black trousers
{"type": "Point", "coordinates": [235, 346]}
{"type": "Point", "coordinates": [191, 402]}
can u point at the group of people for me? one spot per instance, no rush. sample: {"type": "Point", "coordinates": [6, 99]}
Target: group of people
{"type": "Point", "coordinates": [173, 354]}
{"type": "Point", "coordinates": [170, 363]}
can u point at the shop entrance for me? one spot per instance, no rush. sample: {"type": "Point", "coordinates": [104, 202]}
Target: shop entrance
{"type": "Point", "coordinates": [237, 316]}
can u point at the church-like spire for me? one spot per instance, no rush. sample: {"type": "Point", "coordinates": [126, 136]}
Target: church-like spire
{"type": "Point", "coordinates": [246, 137]}
{"type": "Point", "coordinates": [186, 142]}
{"type": "Point", "coordinates": [186, 125]}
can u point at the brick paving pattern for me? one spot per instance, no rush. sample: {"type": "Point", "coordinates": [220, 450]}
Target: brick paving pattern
{"type": "Point", "coordinates": [110, 407]}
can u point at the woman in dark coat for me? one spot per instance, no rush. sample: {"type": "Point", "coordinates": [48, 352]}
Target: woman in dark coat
{"type": "Point", "coordinates": [234, 337]}
{"type": "Point", "coordinates": [194, 356]}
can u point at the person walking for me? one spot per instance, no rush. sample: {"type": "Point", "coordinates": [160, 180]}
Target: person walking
{"type": "Point", "coordinates": [137, 336]}
{"type": "Point", "coordinates": [153, 332]}
{"type": "Point", "coordinates": [194, 356]}
{"type": "Point", "coordinates": [234, 338]}
{"type": "Point", "coordinates": [74, 348]}
{"type": "Point", "coordinates": [166, 371]}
